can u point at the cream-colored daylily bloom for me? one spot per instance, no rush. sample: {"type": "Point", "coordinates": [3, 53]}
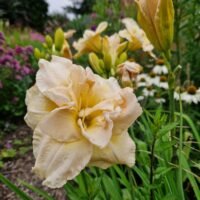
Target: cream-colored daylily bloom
{"type": "Point", "coordinates": [136, 36]}
{"type": "Point", "coordinates": [128, 72]}
{"type": "Point", "coordinates": [91, 41]}
{"type": "Point", "coordinates": [79, 119]}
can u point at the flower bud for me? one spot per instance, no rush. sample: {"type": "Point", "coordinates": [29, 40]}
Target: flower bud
{"type": "Point", "coordinates": [95, 63]}
{"type": "Point", "coordinates": [157, 18]}
{"type": "Point", "coordinates": [59, 39]}
{"type": "Point", "coordinates": [37, 53]}
{"type": "Point", "coordinates": [49, 41]}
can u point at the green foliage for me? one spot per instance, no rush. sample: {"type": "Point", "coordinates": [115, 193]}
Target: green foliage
{"type": "Point", "coordinates": [32, 13]}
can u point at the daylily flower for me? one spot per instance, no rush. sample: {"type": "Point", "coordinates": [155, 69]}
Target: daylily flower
{"type": "Point", "coordinates": [156, 17]}
{"type": "Point", "coordinates": [91, 41]}
{"type": "Point", "coordinates": [79, 119]}
{"type": "Point", "coordinates": [135, 35]}
{"type": "Point", "coordinates": [128, 72]}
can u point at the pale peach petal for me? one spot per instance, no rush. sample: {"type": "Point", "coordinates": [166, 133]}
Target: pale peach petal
{"type": "Point", "coordinates": [120, 150]}
{"type": "Point", "coordinates": [53, 74]}
{"type": "Point", "coordinates": [37, 106]}
{"type": "Point", "coordinates": [61, 125]}
{"type": "Point", "coordinates": [101, 27]}
{"type": "Point", "coordinates": [131, 110]}
{"type": "Point", "coordinates": [98, 130]}
{"type": "Point", "coordinates": [58, 162]}
{"type": "Point", "coordinates": [125, 34]}
{"type": "Point", "coordinates": [61, 96]}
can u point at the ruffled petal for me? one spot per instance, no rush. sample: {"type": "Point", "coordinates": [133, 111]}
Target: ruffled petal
{"type": "Point", "coordinates": [37, 106]}
{"type": "Point", "coordinates": [98, 130]}
{"type": "Point", "coordinates": [53, 74]}
{"type": "Point", "coordinates": [61, 125]}
{"type": "Point", "coordinates": [130, 111]}
{"type": "Point", "coordinates": [58, 162]}
{"type": "Point", "coordinates": [120, 150]}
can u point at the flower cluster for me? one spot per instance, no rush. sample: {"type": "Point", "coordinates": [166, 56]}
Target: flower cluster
{"type": "Point", "coordinates": [154, 83]}
{"type": "Point", "coordinates": [17, 60]}
{"type": "Point", "coordinates": [16, 69]}
{"type": "Point", "coordinates": [107, 54]}
{"type": "Point", "coordinates": [79, 119]}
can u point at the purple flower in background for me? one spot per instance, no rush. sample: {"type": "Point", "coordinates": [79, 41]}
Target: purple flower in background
{"type": "Point", "coordinates": [29, 50]}
{"type": "Point", "coordinates": [26, 70]}
{"type": "Point", "coordinates": [18, 49]}
{"type": "Point", "coordinates": [10, 52]}
{"type": "Point", "coordinates": [37, 36]}
{"type": "Point", "coordinates": [16, 65]}
{"type": "Point", "coordinates": [6, 59]}
{"type": "Point", "coordinates": [93, 27]}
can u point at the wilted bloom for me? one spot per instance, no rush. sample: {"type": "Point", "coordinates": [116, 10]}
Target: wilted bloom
{"type": "Point", "coordinates": [156, 17]}
{"type": "Point", "coordinates": [135, 35]}
{"type": "Point", "coordinates": [128, 72]}
{"type": "Point", "coordinates": [79, 119]}
{"type": "Point", "coordinates": [91, 41]}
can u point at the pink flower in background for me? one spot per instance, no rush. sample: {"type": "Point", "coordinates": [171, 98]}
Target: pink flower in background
{"type": "Point", "coordinates": [37, 36]}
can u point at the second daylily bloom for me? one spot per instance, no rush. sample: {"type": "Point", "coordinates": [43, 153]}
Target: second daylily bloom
{"type": "Point", "coordinates": [91, 41]}
{"type": "Point", "coordinates": [135, 35]}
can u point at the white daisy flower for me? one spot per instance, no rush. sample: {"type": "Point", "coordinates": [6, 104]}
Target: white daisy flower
{"type": "Point", "coordinates": [149, 91]}
{"type": "Point", "coordinates": [160, 69]}
{"type": "Point", "coordinates": [142, 80]}
{"type": "Point", "coordinates": [153, 79]}
{"type": "Point", "coordinates": [191, 95]}
{"type": "Point", "coordinates": [160, 100]}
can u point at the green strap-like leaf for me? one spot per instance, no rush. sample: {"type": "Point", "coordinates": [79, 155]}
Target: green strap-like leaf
{"type": "Point", "coordinates": [22, 195]}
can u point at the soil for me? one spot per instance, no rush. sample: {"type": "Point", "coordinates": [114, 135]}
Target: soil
{"type": "Point", "coordinates": [19, 168]}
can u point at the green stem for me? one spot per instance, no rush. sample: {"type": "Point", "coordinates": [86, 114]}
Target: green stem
{"type": "Point", "coordinates": [180, 172]}
{"type": "Point", "coordinates": [152, 168]}
{"type": "Point", "coordinates": [171, 83]}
